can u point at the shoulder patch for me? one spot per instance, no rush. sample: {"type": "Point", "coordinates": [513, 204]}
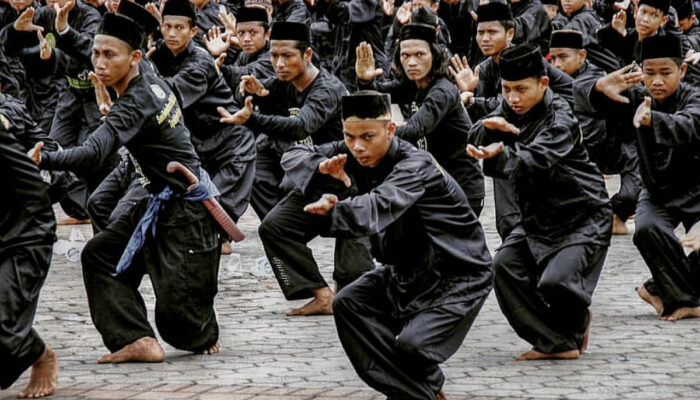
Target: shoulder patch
{"type": "Point", "coordinates": [158, 91]}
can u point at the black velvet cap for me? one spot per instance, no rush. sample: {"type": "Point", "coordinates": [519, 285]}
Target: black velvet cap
{"type": "Point", "coordinates": [685, 10]}
{"type": "Point", "coordinates": [180, 8]}
{"type": "Point", "coordinates": [252, 14]}
{"type": "Point", "coordinates": [521, 61]}
{"type": "Point", "coordinates": [419, 32]}
{"type": "Point", "coordinates": [662, 46]}
{"type": "Point", "coordinates": [662, 5]}
{"type": "Point", "coordinates": [139, 14]}
{"type": "Point", "coordinates": [290, 31]}
{"type": "Point", "coordinates": [366, 104]}
{"type": "Point", "coordinates": [566, 39]}
{"type": "Point", "coordinates": [550, 2]}
{"type": "Point", "coordinates": [493, 11]}
{"type": "Point", "coordinates": [425, 15]}
{"type": "Point", "coordinates": [122, 28]}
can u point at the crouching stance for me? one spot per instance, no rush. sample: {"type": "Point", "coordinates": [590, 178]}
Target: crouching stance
{"type": "Point", "coordinates": [398, 322]}
{"type": "Point", "coordinates": [168, 235]}
{"type": "Point", "coordinates": [548, 267]}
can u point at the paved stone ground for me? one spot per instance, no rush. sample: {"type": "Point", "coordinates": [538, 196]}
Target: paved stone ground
{"type": "Point", "coordinates": [266, 355]}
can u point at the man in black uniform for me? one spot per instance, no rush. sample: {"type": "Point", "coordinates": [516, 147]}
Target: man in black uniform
{"type": "Point", "coordinates": [398, 322]}
{"type": "Point", "coordinates": [545, 273]}
{"type": "Point", "coordinates": [227, 152]}
{"type": "Point", "coordinates": [175, 240]}
{"type": "Point", "coordinates": [609, 144]}
{"type": "Point", "coordinates": [665, 115]}
{"type": "Point", "coordinates": [27, 233]}
{"type": "Point", "coordinates": [531, 22]}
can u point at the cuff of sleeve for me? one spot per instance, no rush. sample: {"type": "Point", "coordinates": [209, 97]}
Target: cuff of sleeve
{"type": "Point", "coordinates": [45, 161]}
{"type": "Point", "coordinates": [65, 31]}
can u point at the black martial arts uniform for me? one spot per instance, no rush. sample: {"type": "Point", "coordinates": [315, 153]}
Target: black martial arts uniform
{"type": "Point", "coordinates": [437, 122]}
{"type": "Point", "coordinates": [311, 116]}
{"type": "Point", "coordinates": [391, 44]}
{"type": "Point", "coordinates": [610, 145]}
{"type": "Point", "coordinates": [27, 233]}
{"type": "Point", "coordinates": [354, 21]}
{"type": "Point", "coordinates": [398, 322]}
{"type": "Point", "coordinates": [291, 11]}
{"type": "Point", "coordinates": [182, 259]}
{"type": "Point", "coordinates": [258, 65]}
{"type": "Point", "coordinates": [548, 267]}
{"type": "Point", "coordinates": [587, 22]}
{"type": "Point", "coordinates": [668, 157]}
{"type": "Point", "coordinates": [532, 24]}
{"type": "Point", "coordinates": [227, 152]}
{"type": "Point", "coordinates": [487, 95]}
{"type": "Point", "coordinates": [288, 116]}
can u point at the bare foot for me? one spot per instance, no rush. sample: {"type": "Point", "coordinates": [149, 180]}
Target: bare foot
{"type": "Point", "coordinates": [322, 304]}
{"type": "Point", "coordinates": [537, 355]}
{"type": "Point", "coordinates": [73, 221]}
{"type": "Point", "coordinates": [683, 312]}
{"type": "Point", "coordinates": [619, 227]}
{"type": "Point", "coordinates": [226, 248]}
{"type": "Point", "coordinates": [440, 395]}
{"type": "Point", "coordinates": [145, 349]}
{"type": "Point", "coordinates": [586, 334]}
{"type": "Point", "coordinates": [44, 376]}
{"type": "Point", "coordinates": [655, 301]}
{"type": "Point", "coordinates": [212, 350]}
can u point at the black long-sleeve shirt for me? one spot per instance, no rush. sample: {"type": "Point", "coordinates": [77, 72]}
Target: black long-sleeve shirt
{"type": "Point", "coordinates": [418, 219]}
{"type": "Point", "coordinates": [669, 150]}
{"type": "Point", "coordinates": [560, 192]}
{"type": "Point", "coordinates": [200, 90]}
{"type": "Point", "coordinates": [147, 120]}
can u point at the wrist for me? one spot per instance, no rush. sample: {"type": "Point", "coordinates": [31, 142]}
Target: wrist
{"type": "Point", "coordinates": [63, 31]}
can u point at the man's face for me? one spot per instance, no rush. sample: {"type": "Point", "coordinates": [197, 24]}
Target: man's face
{"type": "Point", "coordinates": [552, 10]}
{"type": "Point", "coordinates": [368, 140]}
{"type": "Point", "coordinates": [60, 3]}
{"type": "Point", "coordinates": [416, 58]}
{"type": "Point", "coordinates": [687, 23]}
{"type": "Point", "coordinates": [20, 5]}
{"type": "Point", "coordinates": [177, 32]}
{"type": "Point", "coordinates": [492, 37]}
{"type": "Point", "coordinates": [648, 19]}
{"type": "Point", "coordinates": [252, 36]}
{"type": "Point", "coordinates": [661, 77]}
{"type": "Point", "coordinates": [524, 94]}
{"type": "Point", "coordinates": [289, 62]}
{"type": "Point", "coordinates": [567, 60]}
{"type": "Point", "coordinates": [112, 59]}
{"type": "Point", "coordinates": [571, 6]}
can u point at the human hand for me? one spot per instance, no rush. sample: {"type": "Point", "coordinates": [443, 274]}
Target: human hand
{"type": "Point", "coordinates": [643, 114]}
{"type": "Point", "coordinates": [500, 124]}
{"type": "Point", "coordinates": [335, 167]}
{"type": "Point", "coordinates": [364, 63]}
{"type": "Point", "coordinates": [251, 84]}
{"type": "Point", "coordinates": [617, 82]}
{"type": "Point", "coordinates": [466, 79]}
{"type": "Point", "coordinates": [322, 206]}
{"type": "Point", "coordinates": [485, 152]}
{"type": "Point", "coordinates": [240, 117]}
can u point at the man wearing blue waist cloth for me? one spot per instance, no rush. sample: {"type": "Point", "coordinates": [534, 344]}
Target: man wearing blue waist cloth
{"type": "Point", "coordinates": [175, 240]}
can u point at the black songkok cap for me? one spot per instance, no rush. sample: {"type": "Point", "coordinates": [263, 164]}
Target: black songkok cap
{"type": "Point", "coordinates": [180, 8]}
{"type": "Point", "coordinates": [566, 39]}
{"type": "Point", "coordinates": [550, 2]}
{"type": "Point", "coordinates": [662, 5]}
{"type": "Point", "coordinates": [520, 62]}
{"type": "Point", "coordinates": [662, 46]}
{"type": "Point", "coordinates": [366, 104]}
{"type": "Point", "coordinates": [252, 14]}
{"type": "Point", "coordinates": [493, 11]}
{"type": "Point", "coordinates": [685, 10]}
{"type": "Point", "coordinates": [122, 28]}
{"type": "Point", "coordinates": [419, 32]}
{"type": "Point", "coordinates": [290, 31]}
{"type": "Point", "coordinates": [139, 14]}
{"type": "Point", "coordinates": [426, 16]}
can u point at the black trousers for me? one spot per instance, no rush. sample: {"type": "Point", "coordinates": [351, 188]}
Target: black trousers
{"type": "Point", "coordinates": [22, 274]}
{"type": "Point", "coordinates": [285, 233]}
{"type": "Point", "coordinates": [675, 276]}
{"type": "Point", "coordinates": [620, 158]}
{"type": "Point", "coordinates": [109, 200]}
{"type": "Point", "coordinates": [268, 177]}
{"type": "Point", "coordinates": [235, 183]}
{"type": "Point", "coordinates": [547, 303]}
{"type": "Point", "coordinates": [399, 357]}
{"type": "Point", "coordinates": [182, 261]}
